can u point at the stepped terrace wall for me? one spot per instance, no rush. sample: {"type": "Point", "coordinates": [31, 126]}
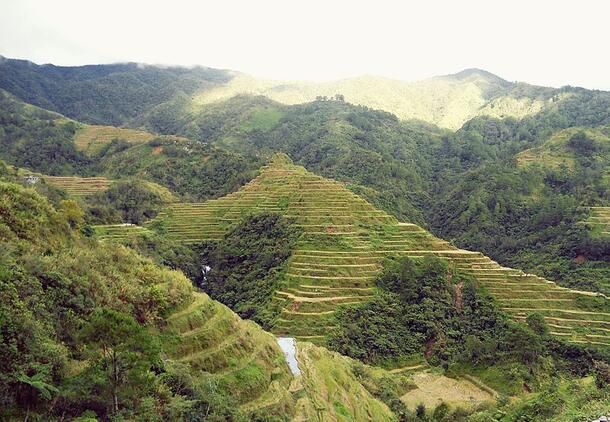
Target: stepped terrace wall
{"type": "Point", "coordinates": [341, 251]}
{"type": "Point", "coordinates": [79, 186]}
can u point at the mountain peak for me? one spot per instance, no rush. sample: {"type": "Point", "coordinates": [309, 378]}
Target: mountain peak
{"type": "Point", "coordinates": [477, 73]}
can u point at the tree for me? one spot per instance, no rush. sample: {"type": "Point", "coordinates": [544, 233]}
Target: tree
{"type": "Point", "coordinates": [123, 354]}
{"type": "Point", "coordinates": [582, 144]}
{"type": "Point", "coordinates": [537, 323]}
{"type": "Point", "coordinates": [420, 411]}
{"type": "Point", "coordinates": [72, 212]}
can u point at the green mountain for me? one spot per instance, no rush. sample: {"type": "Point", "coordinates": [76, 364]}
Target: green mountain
{"type": "Point", "coordinates": [446, 101]}
{"type": "Point", "coordinates": [103, 94]}
{"type": "Point", "coordinates": [122, 94]}
{"type": "Point", "coordinates": [342, 248]}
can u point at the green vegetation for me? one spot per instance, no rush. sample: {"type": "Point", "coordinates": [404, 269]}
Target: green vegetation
{"type": "Point", "coordinates": [382, 158]}
{"type": "Point", "coordinates": [92, 329]}
{"type": "Point", "coordinates": [53, 283]}
{"type": "Point", "coordinates": [132, 201]}
{"type": "Point", "coordinates": [189, 169]}
{"type": "Point", "coordinates": [565, 401]}
{"type": "Point", "coordinates": [241, 270]}
{"type": "Point", "coordinates": [530, 216]}
{"type": "Point", "coordinates": [104, 94]}
{"type": "Point", "coordinates": [427, 307]}
{"type": "Point", "coordinates": [54, 149]}
{"type": "Point", "coordinates": [447, 101]}
{"type": "Point", "coordinates": [415, 171]}
{"type": "Point", "coordinates": [342, 248]}
{"type": "Point", "coordinates": [37, 139]}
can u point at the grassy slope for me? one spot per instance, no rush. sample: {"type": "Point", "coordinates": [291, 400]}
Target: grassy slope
{"type": "Point", "coordinates": [245, 361]}
{"type": "Point", "coordinates": [344, 243]}
{"type": "Point", "coordinates": [600, 221]}
{"type": "Point", "coordinates": [332, 390]}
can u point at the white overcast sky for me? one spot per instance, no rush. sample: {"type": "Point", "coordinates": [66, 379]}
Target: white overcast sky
{"type": "Point", "coordinates": [538, 41]}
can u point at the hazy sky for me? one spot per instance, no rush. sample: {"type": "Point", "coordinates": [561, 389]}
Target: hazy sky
{"type": "Point", "coordinates": [538, 41]}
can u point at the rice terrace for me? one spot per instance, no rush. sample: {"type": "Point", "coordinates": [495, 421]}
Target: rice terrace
{"type": "Point", "coordinates": [267, 211]}
{"type": "Point", "coordinates": [343, 244]}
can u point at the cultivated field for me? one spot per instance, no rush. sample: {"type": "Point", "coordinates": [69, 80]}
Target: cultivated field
{"type": "Point", "coordinates": [118, 231]}
{"type": "Point", "coordinates": [238, 357]}
{"type": "Point", "coordinates": [78, 186]}
{"type": "Point", "coordinates": [342, 248]}
{"type": "Point", "coordinates": [600, 220]}
{"type": "Point", "coordinates": [235, 355]}
{"type": "Point", "coordinates": [91, 138]}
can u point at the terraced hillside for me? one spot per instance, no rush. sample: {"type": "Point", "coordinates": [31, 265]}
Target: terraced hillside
{"type": "Point", "coordinates": [244, 361]}
{"type": "Point", "coordinates": [78, 186]}
{"type": "Point", "coordinates": [342, 248]}
{"type": "Point", "coordinates": [566, 147]}
{"type": "Point", "coordinates": [600, 220]}
{"type": "Point", "coordinates": [91, 138]}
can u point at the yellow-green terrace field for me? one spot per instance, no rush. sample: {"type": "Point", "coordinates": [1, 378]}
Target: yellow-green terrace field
{"type": "Point", "coordinates": [341, 250]}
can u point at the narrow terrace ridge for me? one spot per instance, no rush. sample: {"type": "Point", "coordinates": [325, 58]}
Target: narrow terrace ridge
{"type": "Point", "coordinates": [600, 220]}
{"type": "Point", "coordinates": [341, 251]}
{"type": "Point", "coordinates": [78, 186]}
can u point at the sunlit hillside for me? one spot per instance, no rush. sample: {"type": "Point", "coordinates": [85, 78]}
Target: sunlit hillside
{"type": "Point", "coordinates": [447, 101]}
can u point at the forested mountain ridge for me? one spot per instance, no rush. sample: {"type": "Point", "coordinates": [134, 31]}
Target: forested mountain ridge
{"type": "Point", "coordinates": [103, 94]}
{"type": "Point", "coordinates": [121, 94]}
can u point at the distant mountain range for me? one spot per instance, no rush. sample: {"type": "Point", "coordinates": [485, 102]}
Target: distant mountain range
{"type": "Point", "coordinates": [118, 93]}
